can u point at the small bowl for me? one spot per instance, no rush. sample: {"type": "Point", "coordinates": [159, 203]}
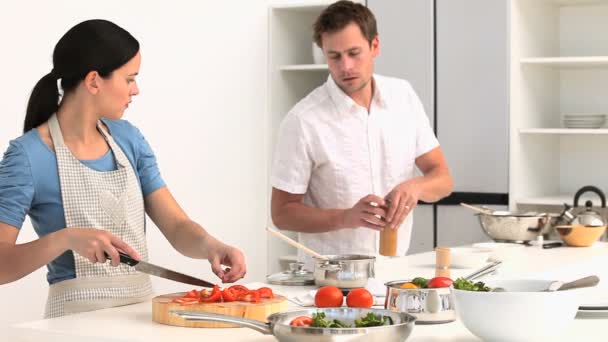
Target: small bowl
{"type": "Point", "coordinates": [429, 306]}
{"type": "Point", "coordinates": [580, 236]}
{"type": "Point", "coordinates": [468, 257]}
{"type": "Point", "coordinates": [522, 313]}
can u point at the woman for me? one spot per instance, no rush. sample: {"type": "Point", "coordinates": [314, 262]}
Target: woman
{"type": "Point", "coordinates": [87, 179]}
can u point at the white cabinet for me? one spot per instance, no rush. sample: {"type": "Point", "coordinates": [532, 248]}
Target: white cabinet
{"type": "Point", "coordinates": [559, 66]}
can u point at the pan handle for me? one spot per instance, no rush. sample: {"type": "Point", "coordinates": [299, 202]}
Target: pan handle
{"type": "Point", "coordinates": [262, 327]}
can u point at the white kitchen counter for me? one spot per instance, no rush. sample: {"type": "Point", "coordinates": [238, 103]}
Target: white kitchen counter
{"type": "Point", "coordinates": [134, 322]}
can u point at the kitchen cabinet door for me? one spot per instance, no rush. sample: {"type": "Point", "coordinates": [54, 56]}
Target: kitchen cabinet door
{"type": "Point", "coordinates": [472, 92]}
{"type": "Point", "coordinates": [422, 230]}
{"type": "Point", "coordinates": [405, 29]}
{"type": "Point", "coordinates": [458, 226]}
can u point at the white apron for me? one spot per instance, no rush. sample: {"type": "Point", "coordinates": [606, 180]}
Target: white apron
{"type": "Point", "coordinates": [110, 200]}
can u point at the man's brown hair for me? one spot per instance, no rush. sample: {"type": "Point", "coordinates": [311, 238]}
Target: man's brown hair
{"type": "Point", "coordinates": [340, 14]}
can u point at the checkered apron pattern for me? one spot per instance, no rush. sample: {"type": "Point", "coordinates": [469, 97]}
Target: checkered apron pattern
{"type": "Point", "coordinates": [110, 200]}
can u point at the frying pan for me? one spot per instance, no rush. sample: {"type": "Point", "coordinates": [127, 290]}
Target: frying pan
{"type": "Point", "coordinates": [278, 325]}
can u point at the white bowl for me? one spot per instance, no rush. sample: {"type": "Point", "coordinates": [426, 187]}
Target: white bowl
{"type": "Point", "coordinates": [522, 313]}
{"type": "Point", "coordinates": [468, 257]}
{"type": "Point", "coordinates": [501, 250]}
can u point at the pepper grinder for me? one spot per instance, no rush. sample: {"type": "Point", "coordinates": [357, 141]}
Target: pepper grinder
{"type": "Point", "coordinates": [442, 262]}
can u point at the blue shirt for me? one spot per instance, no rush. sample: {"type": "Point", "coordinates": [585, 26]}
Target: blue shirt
{"type": "Point", "coordinates": [29, 183]}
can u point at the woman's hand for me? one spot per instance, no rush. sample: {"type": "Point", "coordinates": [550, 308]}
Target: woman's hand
{"type": "Point", "coordinates": [93, 243]}
{"type": "Point", "coordinates": [221, 254]}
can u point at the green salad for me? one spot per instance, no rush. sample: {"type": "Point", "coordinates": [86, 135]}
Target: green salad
{"type": "Point", "coordinates": [370, 320]}
{"type": "Point", "coordinates": [467, 285]}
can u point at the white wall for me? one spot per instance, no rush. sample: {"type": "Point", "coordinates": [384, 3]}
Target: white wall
{"type": "Point", "coordinates": [202, 107]}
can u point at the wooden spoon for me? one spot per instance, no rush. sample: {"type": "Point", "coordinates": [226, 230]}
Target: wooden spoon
{"type": "Point", "coordinates": [296, 244]}
{"type": "Point", "coordinates": [477, 209]}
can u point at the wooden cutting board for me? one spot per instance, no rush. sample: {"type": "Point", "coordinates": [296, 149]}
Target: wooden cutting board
{"type": "Point", "coordinates": [161, 305]}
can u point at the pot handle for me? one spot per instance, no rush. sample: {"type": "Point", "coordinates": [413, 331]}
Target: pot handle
{"type": "Point", "coordinates": [590, 188]}
{"type": "Point", "coordinates": [262, 327]}
{"type": "Point", "coordinates": [326, 266]}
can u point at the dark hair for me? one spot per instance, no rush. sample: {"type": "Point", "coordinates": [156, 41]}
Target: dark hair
{"type": "Point", "coordinates": [93, 45]}
{"type": "Point", "coordinates": [340, 14]}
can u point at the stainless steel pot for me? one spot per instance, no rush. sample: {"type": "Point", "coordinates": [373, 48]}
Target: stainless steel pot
{"type": "Point", "coordinates": [344, 271]}
{"type": "Point", "coordinates": [278, 325]}
{"type": "Point", "coordinates": [429, 306]}
{"type": "Point", "coordinates": [516, 228]}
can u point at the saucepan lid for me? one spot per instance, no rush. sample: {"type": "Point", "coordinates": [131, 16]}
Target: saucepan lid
{"type": "Point", "coordinates": [296, 275]}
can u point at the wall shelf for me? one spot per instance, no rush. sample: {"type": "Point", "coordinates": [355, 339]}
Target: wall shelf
{"type": "Point", "coordinates": [304, 67]}
{"type": "Point", "coordinates": [565, 131]}
{"type": "Point", "coordinates": [567, 62]}
{"type": "Point", "coordinates": [577, 2]}
{"type": "Point", "coordinates": [557, 200]}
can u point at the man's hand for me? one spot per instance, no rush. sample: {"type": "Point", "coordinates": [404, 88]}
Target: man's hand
{"type": "Point", "coordinates": [401, 201]}
{"type": "Point", "coordinates": [369, 212]}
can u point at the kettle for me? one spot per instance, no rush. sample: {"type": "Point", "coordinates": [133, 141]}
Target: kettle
{"type": "Point", "coordinates": [588, 217]}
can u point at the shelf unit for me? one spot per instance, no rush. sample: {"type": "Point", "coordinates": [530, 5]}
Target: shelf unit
{"type": "Point", "coordinates": [292, 75]}
{"type": "Point", "coordinates": [559, 65]}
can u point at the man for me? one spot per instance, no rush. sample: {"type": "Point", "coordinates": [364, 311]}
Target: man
{"type": "Point", "coordinates": [345, 156]}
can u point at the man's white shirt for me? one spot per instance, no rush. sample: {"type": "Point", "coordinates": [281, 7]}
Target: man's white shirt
{"type": "Point", "coordinates": [334, 152]}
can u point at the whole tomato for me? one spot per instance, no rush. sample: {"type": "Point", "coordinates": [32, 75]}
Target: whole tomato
{"type": "Point", "coordinates": [329, 297]}
{"type": "Point", "coordinates": [359, 298]}
{"type": "Point", "coordinates": [439, 282]}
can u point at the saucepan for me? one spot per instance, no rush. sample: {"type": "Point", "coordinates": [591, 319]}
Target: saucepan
{"type": "Point", "coordinates": [279, 325]}
{"type": "Point", "coordinates": [344, 271]}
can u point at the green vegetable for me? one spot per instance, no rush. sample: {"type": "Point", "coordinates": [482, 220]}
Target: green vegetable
{"type": "Point", "coordinates": [421, 282]}
{"type": "Point", "coordinates": [463, 284]}
{"type": "Point", "coordinates": [319, 321]}
{"type": "Point", "coordinates": [370, 320]}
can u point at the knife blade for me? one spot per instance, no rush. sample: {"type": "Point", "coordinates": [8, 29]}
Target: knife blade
{"type": "Point", "coordinates": [162, 272]}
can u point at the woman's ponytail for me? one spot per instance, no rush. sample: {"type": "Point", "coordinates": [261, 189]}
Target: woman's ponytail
{"type": "Point", "coordinates": [42, 103]}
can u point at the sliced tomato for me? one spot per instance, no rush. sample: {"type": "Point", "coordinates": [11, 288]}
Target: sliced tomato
{"type": "Point", "coordinates": [239, 289]}
{"type": "Point", "coordinates": [301, 321]}
{"type": "Point", "coordinates": [265, 292]}
{"type": "Point", "coordinates": [252, 296]}
{"type": "Point", "coordinates": [229, 295]}
{"type": "Point", "coordinates": [214, 296]}
{"type": "Point", "coordinates": [193, 294]}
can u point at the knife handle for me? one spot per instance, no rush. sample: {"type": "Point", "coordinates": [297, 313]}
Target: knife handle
{"type": "Point", "coordinates": [124, 259]}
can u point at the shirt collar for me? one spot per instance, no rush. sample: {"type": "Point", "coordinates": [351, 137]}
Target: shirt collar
{"type": "Point", "coordinates": [344, 103]}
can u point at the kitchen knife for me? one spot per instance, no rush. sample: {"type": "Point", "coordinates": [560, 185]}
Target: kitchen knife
{"type": "Point", "coordinates": [162, 272]}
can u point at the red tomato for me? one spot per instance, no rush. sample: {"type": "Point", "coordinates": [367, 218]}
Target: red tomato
{"type": "Point", "coordinates": [252, 296]}
{"type": "Point", "coordinates": [359, 298]}
{"type": "Point", "coordinates": [214, 296]}
{"type": "Point", "coordinates": [439, 282]}
{"type": "Point", "coordinates": [229, 295]}
{"type": "Point", "coordinates": [301, 321]}
{"type": "Point", "coordinates": [193, 294]}
{"type": "Point", "coordinates": [329, 297]}
{"type": "Point", "coordinates": [239, 288]}
{"type": "Point", "coordinates": [265, 292]}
